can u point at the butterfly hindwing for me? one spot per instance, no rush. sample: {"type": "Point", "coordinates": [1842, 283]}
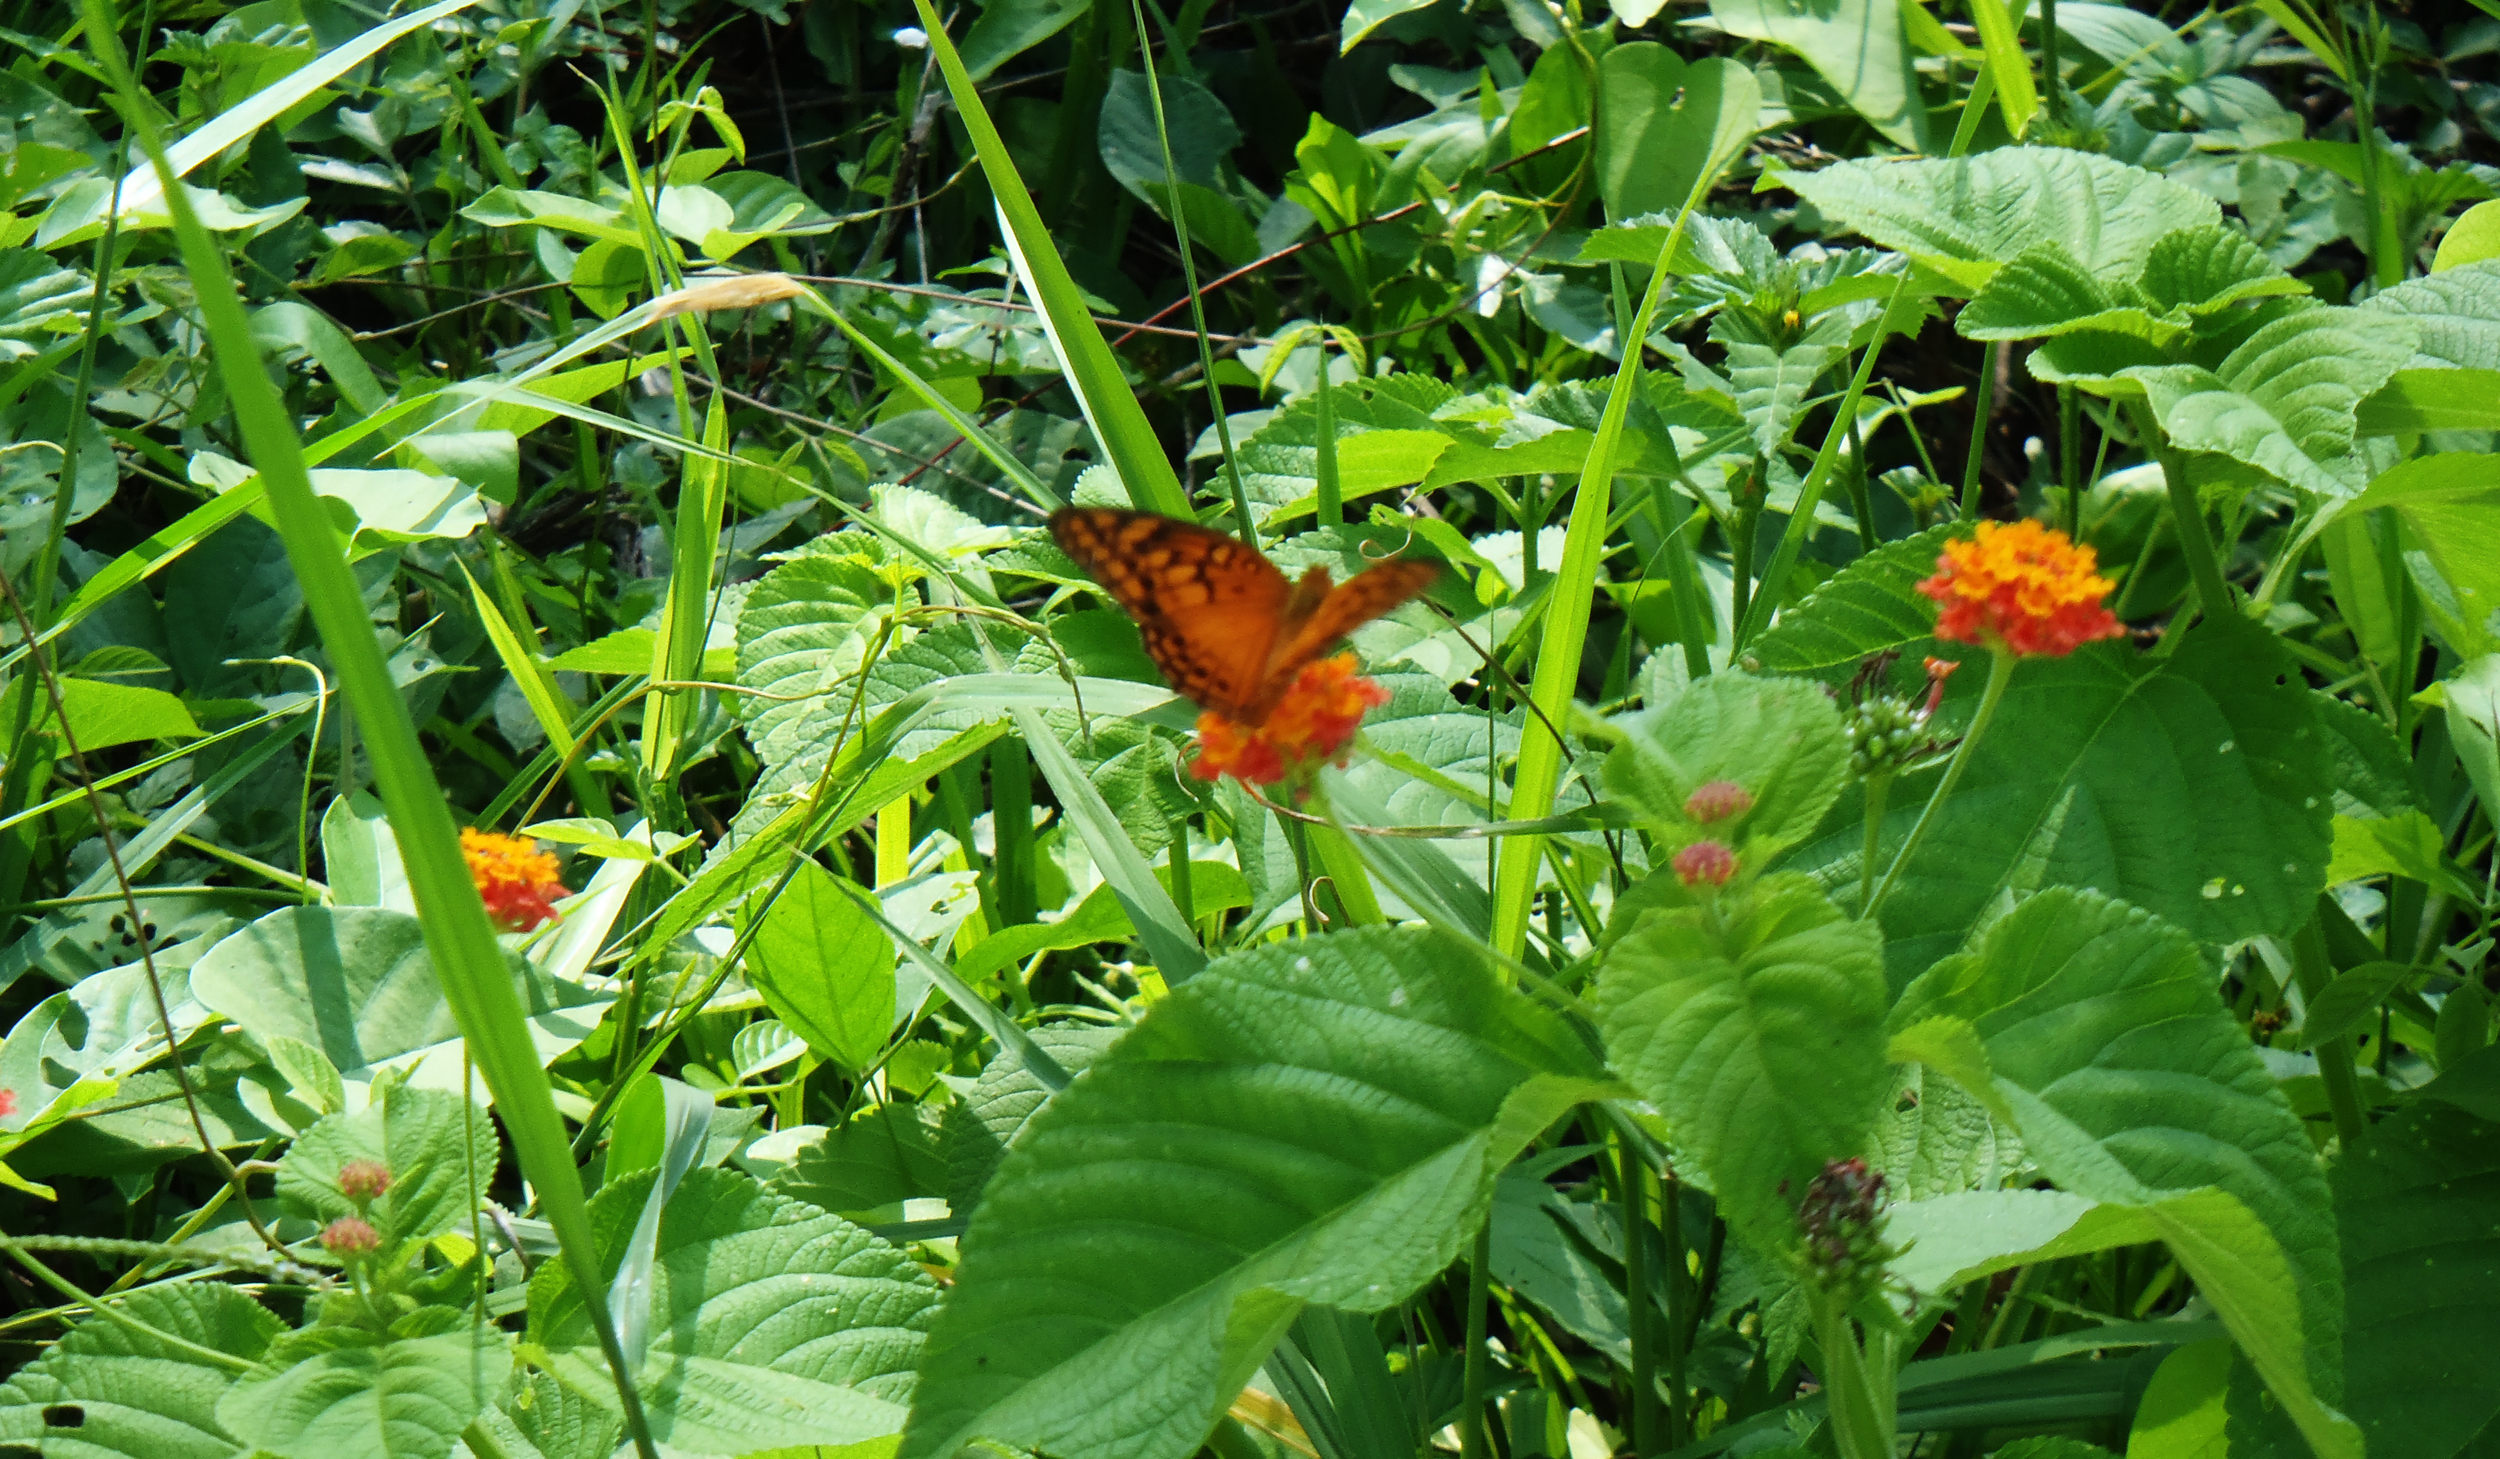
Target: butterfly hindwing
{"type": "Point", "coordinates": [1207, 606]}
{"type": "Point", "coordinates": [1348, 606]}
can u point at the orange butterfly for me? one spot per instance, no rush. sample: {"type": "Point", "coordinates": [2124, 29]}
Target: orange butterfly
{"type": "Point", "coordinates": [1226, 627]}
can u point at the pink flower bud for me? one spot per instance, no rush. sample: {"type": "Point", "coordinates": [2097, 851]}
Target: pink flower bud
{"type": "Point", "coordinates": [349, 1237]}
{"type": "Point", "coordinates": [1704, 863]}
{"type": "Point", "coordinates": [1718, 801]}
{"type": "Point", "coordinates": [362, 1180]}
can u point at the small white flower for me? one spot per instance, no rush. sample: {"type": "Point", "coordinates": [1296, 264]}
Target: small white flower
{"type": "Point", "coordinates": [912, 38]}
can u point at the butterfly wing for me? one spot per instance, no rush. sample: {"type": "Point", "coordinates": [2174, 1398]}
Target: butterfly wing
{"type": "Point", "coordinates": [1348, 606]}
{"type": "Point", "coordinates": [1208, 607]}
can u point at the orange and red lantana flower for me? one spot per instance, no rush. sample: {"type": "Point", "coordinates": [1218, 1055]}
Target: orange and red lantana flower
{"type": "Point", "coordinates": [1312, 724]}
{"type": "Point", "coordinates": [2023, 588]}
{"type": "Point", "coordinates": [516, 879]}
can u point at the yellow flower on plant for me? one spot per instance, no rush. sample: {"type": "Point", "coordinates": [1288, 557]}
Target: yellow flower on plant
{"type": "Point", "coordinates": [516, 880]}
{"type": "Point", "coordinates": [2021, 587]}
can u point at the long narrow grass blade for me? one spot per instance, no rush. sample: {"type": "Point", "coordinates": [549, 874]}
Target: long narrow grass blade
{"type": "Point", "coordinates": [1159, 923]}
{"type": "Point", "coordinates": [984, 1014]}
{"type": "Point", "coordinates": [1093, 373]}
{"type": "Point", "coordinates": [1574, 587]}
{"type": "Point", "coordinates": [465, 955]}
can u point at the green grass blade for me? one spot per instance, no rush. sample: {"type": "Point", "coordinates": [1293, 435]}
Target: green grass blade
{"type": "Point", "coordinates": [1093, 373]}
{"type": "Point", "coordinates": [2008, 67]}
{"type": "Point", "coordinates": [466, 957]}
{"type": "Point", "coordinates": [1574, 587]}
{"type": "Point", "coordinates": [1159, 923]}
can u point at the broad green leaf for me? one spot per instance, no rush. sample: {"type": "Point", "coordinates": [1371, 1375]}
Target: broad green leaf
{"type": "Point", "coordinates": [360, 856]}
{"type": "Point", "coordinates": [1006, 29]}
{"type": "Point", "coordinates": [1203, 135]}
{"type": "Point", "coordinates": [1364, 16]}
{"type": "Point", "coordinates": [438, 1148]}
{"type": "Point", "coordinates": [1754, 1022]}
{"type": "Point", "coordinates": [117, 1393]}
{"type": "Point", "coordinates": [1772, 375]}
{"type": "Point", "coordinates": [981, 1126]}
{"type": "Point", "coordinates": [2284, 401]}
{"type": "Point", "coordinates": [2408, 844]}
{"type": "Point", "coordinates": [2373, 771]}
{"type": "Point", "coordinates": [802, 633]}
{"type": "Point", "coordinates": [1638, 133]}
{"type": "Point", "coordinates": [2181, 1414]}
{"type": "Point", "coordinates": [2445, 399]}
{"type": "Point", "coordinates": [865, 1169]}
{"type": "Point", "coordinates": [772, 1322]}
{"type": "Point", "coordinates": [826, 970]}
{"type": "Point", "coordinates": [1858, 46]}
{"type": "Point", "coordinates": [2133, 1086]}
{"type": "Point", "coordinates": [1869, 606]}
{"type": "Point", "coordinates": [1280, 461]}
{"type": "Point", "coordinates": [2457, 312]}
{"type": "Point", "coordinates": [2469, 700]}
{"type": "Point", "coordinates": [2451, 501]}
{"type": "Point", "coordinates": [1778, 739]}
{"type": "Point", "coordinates": [2473, 238]}
{"type": "Point", "coordinates": [2422, 1351]}
{"type": "Point", "coordinates": [2342, 1006]}
{"type": "Point", "coordinates": [2216, 744]}
{"type": "Point", "coordinates": [358, 984]}
{"type": "Point", "coordinates": [1532, 1255]}
{"type": "Point", "coordinates": [1967, 216]}
{"type": "Point", "coordinates": [1316, 1121]}
{"type": "Point", "coordinates": [104, 714]}
{"type": "Point", "coordinates": [406, 1395]}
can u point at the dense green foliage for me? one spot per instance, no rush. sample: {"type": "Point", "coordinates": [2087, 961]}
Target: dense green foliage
{"type": "Point", "coordinates": [1714, 1007]}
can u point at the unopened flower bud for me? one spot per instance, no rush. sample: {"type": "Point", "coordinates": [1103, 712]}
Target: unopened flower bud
{"type": "Point", "coordinates": [1704, 863]}
{"type": "Point", "coordinates": [362, 1180]}
{"type": "Point", "coordinates": [1718, 801]}
{"type": "Point", "coordinates": [349, 1237]}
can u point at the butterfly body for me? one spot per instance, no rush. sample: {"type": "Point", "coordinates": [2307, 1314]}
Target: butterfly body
{"type": "Point", "coordinates": [1226, 627]}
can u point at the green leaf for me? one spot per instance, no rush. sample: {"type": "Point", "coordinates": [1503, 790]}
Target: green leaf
{"type": "Point", "coordinates": [439, 1149]}
{"type": "Point", "coordinates": [803, 631]}
{"type": "Point", "coordinates": [1967, 216]}
{"type": "Point", "coordinates": [2415, 401]}
{"type": "Point", "coordinates": [772, 1322]}
{"type": "Point", "coordinates": [2452, 504]}
{"type": "Point", "coordinates": [1772, 376]}
{"type": "Point", "coordinates": [126, 1393]}
{"type": "Point", "coordinates": [1755, 1024]}
{"type": "Point", "coordinates": [983, 1125]}
{"type": "Point", "coordinates": [2405, 845]}
{"type": "Point", "coordinates": [826, 970]}
{"type": "Point", "coordinates": [1203, 135]}
{"type": "Point", "coordinates": [2341, 1007]}
{"type": "Point", "coordinates": [1006, 29]}
{"type": "Point", "coordinates": [1313, 1121]}
{"type": "Point", "coordinates": [2133, 1086]}
{"type": "Point", "coordinates": [2457, 312]}
{"type": "Point", "coordinates": [2181, 1414]}
{"type": "Point", "coordinates": [1658, 128]}
{"type": "Point", "coordinates": [2469, 700]}
{"type": "Point", "coordinates": [865, 1169]}
{"type": "Point", "coordinates": [358, 984]}
{"type": "Point", "coordinates": [1858, 46]}
{"type": "Point", "coordinates": [405, 1396]}
{"type": "Point", "coordinates": [2217, 745]}
{"type": "Point", "coordinates": [1779, 739]}
{"type": "Point", "coordinates": [2373, 771]}
{"type": "Point", "coordinates": [2422, 1353]}
{"type": "Point", "coordinates": [1364, 16]}
{"type": "Point", "coordinates": [1869, 606]}
{"type": "Point", "coordinates": [2285, 400]}
{"type": "Point", "coordinates": [103, 714]}
{"type": "Point", "coordinates": [2473, 238]}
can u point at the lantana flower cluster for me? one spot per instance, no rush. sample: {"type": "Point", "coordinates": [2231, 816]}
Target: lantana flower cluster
{"type": "Point", "coordinates": [2021, 587]}
{"type": "Point", "coordinates": [1313, 724]}
{"type": "Point", "coordinates": [516, 880]}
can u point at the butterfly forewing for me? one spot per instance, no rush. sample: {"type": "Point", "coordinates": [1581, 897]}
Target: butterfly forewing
{"type": "Point", "coordinates": [1207, 606]}
{"type": "Point", "coordinates": [1226, 628]}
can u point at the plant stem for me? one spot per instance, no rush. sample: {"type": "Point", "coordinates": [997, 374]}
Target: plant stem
{"type": "Point", "coordinates": [1979, 428]}
{"type": "Point", "coordinates": [1474, 1437]}
{"type": "Point", "coordinates": [2000, 673]}
{"type": "Point", "coordinates": [2312, 971]}
{"type": "Point", "coordinates": [1861, 1399]}
{"type": "Point", "coordinates": [2212, 593]}
{"type": "Point", "coordinates": [1878, 790]}
{"type": "Point", "coordinates": [1634, 1183]}
{"type": "Point", "coordinates": [2070, 457]}
{"type": "Point", "coordinates": [1331, 503]}
{"type": "Point", "coordinates": [1679, 1318]}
